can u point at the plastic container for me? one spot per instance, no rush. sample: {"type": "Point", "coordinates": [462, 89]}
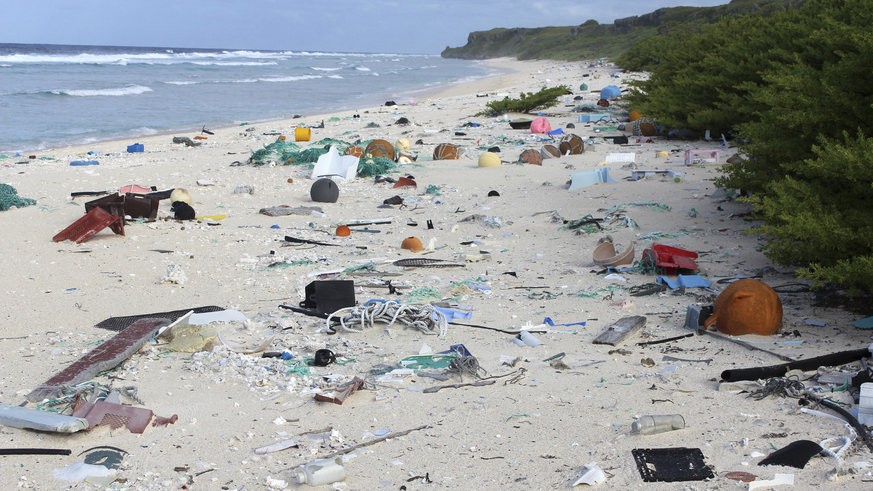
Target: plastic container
{"type": "Point", "coordinates": [302, 134]}
{"type": "Point", "coordinates": [659, 423]}
{"type": "Point", "coordinates": [321, 471]}
{"type": "Point", "coordinates": [865, 404]}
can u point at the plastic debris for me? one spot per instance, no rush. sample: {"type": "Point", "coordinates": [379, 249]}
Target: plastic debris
{"type": "Point", "coordinates": [591, 474]}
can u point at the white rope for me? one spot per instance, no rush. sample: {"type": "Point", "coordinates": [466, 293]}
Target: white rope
{"type": "Point", "coordinates": [835, 452]}
{"type": "Point", "coordinates": [425, 318]}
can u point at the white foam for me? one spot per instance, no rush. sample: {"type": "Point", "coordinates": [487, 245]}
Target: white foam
{"type": "Point", "coordinates": [116, 91]}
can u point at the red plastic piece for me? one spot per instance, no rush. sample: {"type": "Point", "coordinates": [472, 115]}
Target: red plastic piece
{"type": "Point", "coordinates": [670, 260]}
{"type": "Point", "coordinates": [86, 227]}
{"type": "Point", "coordinates": [114, 204]}
{"type": "Point", "coordinates": [114, 415]}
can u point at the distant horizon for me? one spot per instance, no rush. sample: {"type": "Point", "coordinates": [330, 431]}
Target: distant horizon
{"type": "Point", "coordinates": [194, 48]}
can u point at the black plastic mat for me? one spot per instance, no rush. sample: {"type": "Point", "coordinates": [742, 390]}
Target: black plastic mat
{"type": "Point", "coordinates": [671, 464]}
{"type": "Point", "coordinates": [120, 323]}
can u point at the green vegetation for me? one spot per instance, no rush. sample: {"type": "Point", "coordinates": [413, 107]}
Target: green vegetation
{"type": "Point", "coordinates": [592, 40]}
{"type": "Point", "coordinates": [546, 97]}
{"type": "Point", "coordinates": [793, 89]}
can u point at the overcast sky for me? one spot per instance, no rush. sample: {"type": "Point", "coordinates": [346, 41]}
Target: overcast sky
{"type": "Point", "coordinates": [383, 26]}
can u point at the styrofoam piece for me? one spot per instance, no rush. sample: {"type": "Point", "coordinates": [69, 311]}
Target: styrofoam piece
{"type": "Point", "coordinates": [621, 157]}
{"type": "Point", "coordinates": [778, 480]}
{"type": "Point", "coordinates": [591, 474]}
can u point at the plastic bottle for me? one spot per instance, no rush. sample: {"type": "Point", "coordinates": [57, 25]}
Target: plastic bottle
{"type": "Point", "coordinates": [321, 471]}
{"type": "Point", "coordinates": [650, 425]}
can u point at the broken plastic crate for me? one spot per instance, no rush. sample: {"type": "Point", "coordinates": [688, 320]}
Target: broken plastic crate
{"type": "Point", "coordinates": [669, 260]}
{"type": "Point", "coordinates": [86, 227]}
{"type": "Point", "coordinates": [114, 204]}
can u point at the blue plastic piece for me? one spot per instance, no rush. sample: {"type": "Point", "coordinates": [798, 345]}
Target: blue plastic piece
{"type": "Point", "coordinates": [454, 314]}
{"type": "Point", "coordinates": [78, 163]}
{"type": "Point", "coordinates": [549, 321]}
{"type": "Point", "coordinates": [136, 148]}
{"type": "Point", "coordinates": [684, 280]}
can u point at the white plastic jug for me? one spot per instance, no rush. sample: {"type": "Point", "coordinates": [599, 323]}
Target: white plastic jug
{"type": "Point", "coordinates": [321, 471]}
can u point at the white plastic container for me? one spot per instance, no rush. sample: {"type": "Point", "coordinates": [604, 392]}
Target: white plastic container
{"type": "Point", "coordinates": [321, 471]}
{"type": "Point", "coordinates": [865, 404]}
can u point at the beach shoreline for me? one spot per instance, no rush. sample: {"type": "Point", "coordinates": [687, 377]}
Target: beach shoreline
{"type": "Point", "coordinates": [524, 416]}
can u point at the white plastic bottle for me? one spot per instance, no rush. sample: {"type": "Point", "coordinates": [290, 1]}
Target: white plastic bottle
{"type": "Point", "coordinates": [321, 471]}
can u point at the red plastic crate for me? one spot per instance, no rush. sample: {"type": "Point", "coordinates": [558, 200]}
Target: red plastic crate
{"type": "Point", "coordinates": [86, 227]}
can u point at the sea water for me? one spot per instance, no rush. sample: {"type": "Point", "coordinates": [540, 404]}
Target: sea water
{"type": "Point", "coordinates": [54, 95]}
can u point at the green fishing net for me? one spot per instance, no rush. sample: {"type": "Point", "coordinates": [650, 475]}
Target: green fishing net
{"type": "Point", "coordinates": [375, 166]}
{"type": "Point", "coordinates": [289, 153]}
{"type": "Point", "coordinates": [9, 198]}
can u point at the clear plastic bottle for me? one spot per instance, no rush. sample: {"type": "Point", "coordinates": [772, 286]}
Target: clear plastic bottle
{"type": "Point", "coordinates": [321, 471]}
{"type": "Point", "coordinates": [659, 423]}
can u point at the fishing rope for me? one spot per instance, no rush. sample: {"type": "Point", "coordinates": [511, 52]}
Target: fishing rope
{"type": "Point", "coordinates": [425, 317]}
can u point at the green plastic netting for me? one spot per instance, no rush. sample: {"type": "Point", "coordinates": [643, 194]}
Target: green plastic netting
{"type": "Point", "coordinates": [9, 198]}
{"type": "Point", "coordinates": [289, 153]}
{"type": "Point", "coordinates": [375, 166]}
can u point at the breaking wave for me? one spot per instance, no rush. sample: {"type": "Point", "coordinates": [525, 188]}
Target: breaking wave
{"type": "Point", "coordinates": [115, 92]}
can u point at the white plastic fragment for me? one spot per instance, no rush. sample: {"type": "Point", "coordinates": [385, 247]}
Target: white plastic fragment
{"type": "Point", "coordinates": [525, 338]}
{"type": "Point", "coordinates": [275, 447]}
{"type": "Point", "coordinates": [778, 480]}
{"type": "Point", "coordinates": [80, 471]}
{"type": "Point", "coordinates": [591, 474]}
{"type": "Point", "coordinates": [34, 419]}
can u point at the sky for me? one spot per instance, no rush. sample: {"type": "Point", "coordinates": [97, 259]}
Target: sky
{"type": "Point", "coordinates": [369, 26]}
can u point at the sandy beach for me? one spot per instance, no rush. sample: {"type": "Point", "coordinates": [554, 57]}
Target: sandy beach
{"type": "Point", "coordinates": [534, 417]}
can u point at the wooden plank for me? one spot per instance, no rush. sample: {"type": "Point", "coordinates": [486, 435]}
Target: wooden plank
{"type": "Point", "coordinates": [621, 329]}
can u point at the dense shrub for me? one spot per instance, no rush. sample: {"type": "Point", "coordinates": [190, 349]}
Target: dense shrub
{"type": "Point", "coordinates": [546, 97]}
{"type": "Point", "coordinates": [794, 89]}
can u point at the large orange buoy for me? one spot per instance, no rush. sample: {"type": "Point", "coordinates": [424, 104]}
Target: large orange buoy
{"type": "Point", "coordinates": [446, 151]}
{"type": "Point", "coordinates": [747, 306]}
{"type": "Point", "coordinates": [531, 156]}
{"type": "Point", "coordinates": [571, 145]}
{"type": "Point", "coordinates": [634, 115]}
{"type": "Point", "coordinates": [380, 148]}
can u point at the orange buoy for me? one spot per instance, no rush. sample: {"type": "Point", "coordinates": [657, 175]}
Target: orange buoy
{"type": "Point", "coordinates": [532, 157]}
{"type": "Point", "coordinates": [380, 148]}
{"type": "Point", "coordinates": [412, 244]}
{"type": "Point", "coordinates": [446, 151]}
{"type": "Point", "coordinates": [405, 182]}
{"type": "Point", "coordinates": [354, 151]}
{"type": "Point", "coordinates": [747, 306]}
{"type": "Point", "coordinates": [343, 231]}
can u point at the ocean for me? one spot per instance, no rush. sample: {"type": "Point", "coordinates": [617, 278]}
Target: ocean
{"type": "Point", "coordinates": [56, 95]}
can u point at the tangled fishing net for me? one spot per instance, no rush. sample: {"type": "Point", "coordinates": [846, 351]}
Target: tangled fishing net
{"type": "Point", "coordinates": [9, 198]}
{"type": "Point", "coordinates": [375, 166]}
{"type": "Point", "coordinates": [289, 153]}
{"type": "Point", "coordinates": [425, 318]}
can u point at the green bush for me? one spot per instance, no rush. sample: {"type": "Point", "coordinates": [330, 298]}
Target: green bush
{"type": "Point", "coordinates": [793, 88]}
{"type": "Point", "coordinates": [546, 97]}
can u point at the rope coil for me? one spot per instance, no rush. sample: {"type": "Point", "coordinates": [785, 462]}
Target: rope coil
{"type": "Point", "coordinates": [425, 318]}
